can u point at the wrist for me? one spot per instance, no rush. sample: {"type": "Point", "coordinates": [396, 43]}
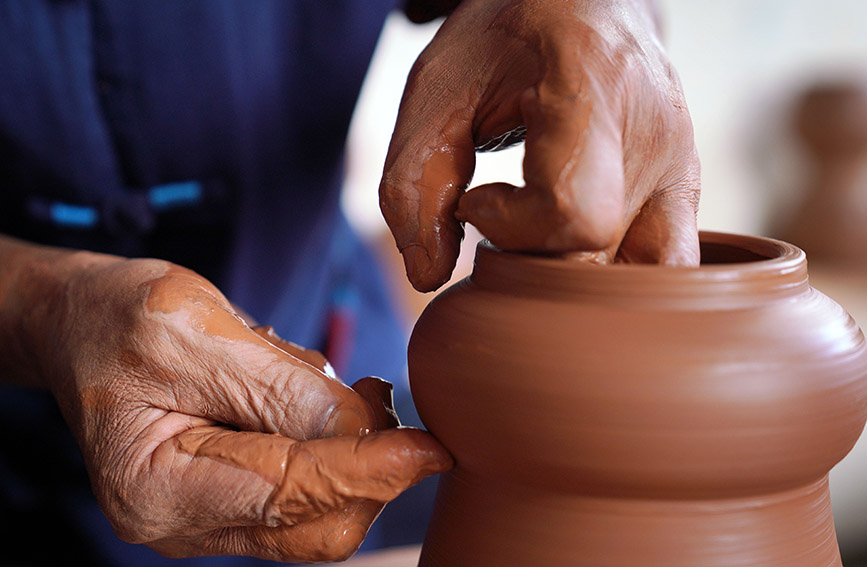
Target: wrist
{"type": "Point", "coordinates": [34, 292]}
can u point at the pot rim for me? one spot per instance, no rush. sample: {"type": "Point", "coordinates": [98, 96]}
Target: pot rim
{"type": "Point", "coordinates": [733, 265]}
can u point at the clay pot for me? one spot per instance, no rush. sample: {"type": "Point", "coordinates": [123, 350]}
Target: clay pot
{"type": "Point", "coordinates": [635, 415]}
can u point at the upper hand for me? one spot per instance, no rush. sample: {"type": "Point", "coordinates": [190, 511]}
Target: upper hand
{"type": "Point", "coordinates": [610, 163]}
{"type": "Point", "coordinates": [203, 436]}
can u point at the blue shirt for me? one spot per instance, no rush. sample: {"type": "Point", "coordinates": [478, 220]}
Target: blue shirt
{"type": "Point", "coordinates": [209, 133]}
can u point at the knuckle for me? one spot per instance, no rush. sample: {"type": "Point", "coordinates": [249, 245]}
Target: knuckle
{"type": "Point", "coordinates": [332, 544]}
{"type": "Point", "coordinates": [671, 125]}
{"type": "Point", "coordinates": [133, 525]}
{"type": "Point", "coordinates": [179, 288]}
{"type": "Point", "coordinates": [340, 545]}
{"type": "Point", "coordinates": [426, 64]}
{"type": "Point", "coordinates": [680, 123]}
{"type": "Point", "coordinates": [682, 191]}
{"type": "Point", "coordinates": [127, 499]}
{"type": "Point", "coordinates": [394, 190]}
{"type": "Point", "coordinates": [583, 228]}
{"type": "Point", "coordinates": [399, 200]}
{"type": "Point", "coordinates": [133, 534]}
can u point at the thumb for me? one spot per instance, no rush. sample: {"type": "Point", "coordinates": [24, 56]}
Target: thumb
{"type": "Point", "coordinates": [573, 168]}
{"type": "Point", "coordinates": [287, 498]}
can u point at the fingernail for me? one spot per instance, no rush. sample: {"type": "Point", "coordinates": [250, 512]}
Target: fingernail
{"type": "Point", "coordinates": [379, 394]}
{"type": "Point", "coordinates": [346, 421]}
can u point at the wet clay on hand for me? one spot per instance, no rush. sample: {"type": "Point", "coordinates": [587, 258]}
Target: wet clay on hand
{"type": "Point", "coordinates": [206, 437]}
{"type": "Point", "coordinates": [610, 163]}
{"type": "Point", "coordinates": [630, 415]}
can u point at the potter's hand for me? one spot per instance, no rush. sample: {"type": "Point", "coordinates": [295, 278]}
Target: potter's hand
{"type": "Point", "coordinates": [203, 436]}
{"type": "Point", "coordinates": [610, 162]}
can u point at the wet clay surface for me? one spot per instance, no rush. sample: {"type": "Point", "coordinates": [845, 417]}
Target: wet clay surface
{"type": "Point", "coordinates": [678, 417]}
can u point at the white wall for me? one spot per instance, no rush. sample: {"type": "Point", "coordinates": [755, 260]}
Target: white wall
{"type": "Point", "coordinates": [740, 61]}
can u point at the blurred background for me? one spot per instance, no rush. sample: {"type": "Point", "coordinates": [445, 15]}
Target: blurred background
{"type": "Point", "coordinates": [777, 90]}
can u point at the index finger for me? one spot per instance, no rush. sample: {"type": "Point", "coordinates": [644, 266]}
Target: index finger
{"type": "Point", "coordinates": [218, 368]}
{"type": "Point", "coordinates": [430, 162]}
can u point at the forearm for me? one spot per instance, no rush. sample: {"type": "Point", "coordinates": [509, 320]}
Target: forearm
{"type": "Point", "coordinates": [33, 284]}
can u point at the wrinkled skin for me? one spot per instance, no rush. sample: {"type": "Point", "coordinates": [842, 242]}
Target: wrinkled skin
{"type": "Point", "coordinates": [204, 436]}
{"type": "Point", "coordinates": [610, 165]}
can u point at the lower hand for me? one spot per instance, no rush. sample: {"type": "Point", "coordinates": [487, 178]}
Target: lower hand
{"type": "Point", "coordinates": [203, 436]}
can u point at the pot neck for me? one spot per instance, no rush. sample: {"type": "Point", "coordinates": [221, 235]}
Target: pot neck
{"type": "Point", "coordinates": [735, 271]}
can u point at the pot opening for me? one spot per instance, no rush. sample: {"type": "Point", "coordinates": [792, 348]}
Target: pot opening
{"type": "Point", "coordinates": [733, 266]}
{"type": "Point", "coordinates": [722, 253]}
